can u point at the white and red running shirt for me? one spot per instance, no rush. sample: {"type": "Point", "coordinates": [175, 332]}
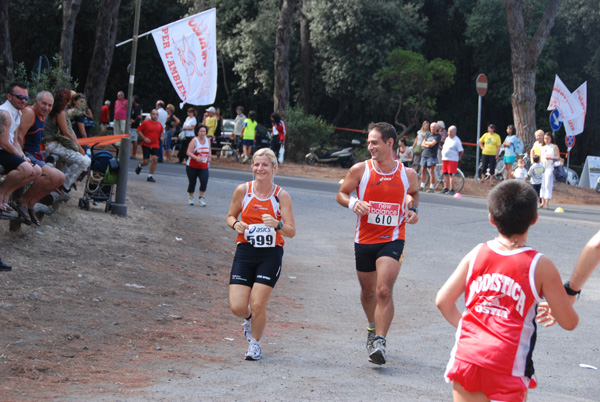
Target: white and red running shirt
{"type": "Point", "coordinates": [386, 193]}
{"type": "Point", "coordinates": [498, 331]}
{"type": "Point", "coordinates": [253, 208]}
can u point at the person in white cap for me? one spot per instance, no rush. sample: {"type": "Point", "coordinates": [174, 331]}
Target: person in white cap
{"type": "Point", "coordinates": [210, 121]}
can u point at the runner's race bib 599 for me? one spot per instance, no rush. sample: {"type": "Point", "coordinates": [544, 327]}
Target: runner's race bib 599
{"type": "Point", "coordinates": [260, 235]}
{"type": "Point", "coordinates": [384, 213]}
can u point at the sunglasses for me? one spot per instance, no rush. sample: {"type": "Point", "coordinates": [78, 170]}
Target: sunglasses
{"type": "Point", "coordinates": [20, 97]}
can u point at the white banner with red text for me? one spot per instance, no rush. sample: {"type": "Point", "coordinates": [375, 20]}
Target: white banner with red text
{"type": "Point", "coordinates": [188, 49]}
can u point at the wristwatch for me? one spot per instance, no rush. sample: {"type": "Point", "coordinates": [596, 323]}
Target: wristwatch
{"type": "Point", "coordinates": [279, 225]}
{"type": "Point", "coordinates": [570, 291]}
{"type": "Point", "coordinates": [415, 210]}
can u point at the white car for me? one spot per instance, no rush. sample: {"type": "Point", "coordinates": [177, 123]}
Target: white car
{"type": "Point", "coordinates": [228, 125]}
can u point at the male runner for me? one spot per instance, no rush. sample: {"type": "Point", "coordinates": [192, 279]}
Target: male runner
{"type": "Point", "coordinates": [387, 198]}
{"type": "Point", "coordinates": [151, 133]}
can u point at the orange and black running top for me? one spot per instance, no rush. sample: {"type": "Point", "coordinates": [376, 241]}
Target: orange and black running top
{"type": "Point", "coordinates": [386, 192]}
{"type": "Point", "coordinates": [253, 208]}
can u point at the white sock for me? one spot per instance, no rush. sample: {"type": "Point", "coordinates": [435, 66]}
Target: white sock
{"type": "Point", "coordinates": [422, 185]}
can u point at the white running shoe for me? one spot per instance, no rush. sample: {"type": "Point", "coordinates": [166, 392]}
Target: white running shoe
{"type": "Point", "coordinates": [247, 328]}
{"type": "Point", "coordinates": [370, 339]}
{"type": "Point", "coordinates": [378, 354]}
{"type": "Point", "coordinates": [191, 201]}
{"type": "Point", "coordinates": [202, 202]}
{"type": "Point", "coordinates": [254, 352]}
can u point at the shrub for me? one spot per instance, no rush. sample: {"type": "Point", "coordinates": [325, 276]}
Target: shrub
{"type": "Point", "coordinates": [50, 79]}
{"type": "Point", "coordinates": [303, 130]}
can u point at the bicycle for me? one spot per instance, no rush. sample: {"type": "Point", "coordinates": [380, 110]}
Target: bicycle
{"type": "Point", "coordinates": [501, 168]}
{"type": "Point", "coordinates": [459, 179]}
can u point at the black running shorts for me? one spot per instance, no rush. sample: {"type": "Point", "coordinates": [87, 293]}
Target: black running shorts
{"type": "Point", "coordinates": [260, 265]}
{"type": "Point", "coordinates": [366, 255]}
{"type": "Point", "coordinates": [147, 151]}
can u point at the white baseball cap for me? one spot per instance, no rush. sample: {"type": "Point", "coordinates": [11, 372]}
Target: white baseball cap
{"type": "Point", "coordinates": [211, 109]}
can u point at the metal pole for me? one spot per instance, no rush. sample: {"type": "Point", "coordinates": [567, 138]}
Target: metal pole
{"type": "Point", "coordinates": [119, 207]}
{"type": "Point", "coordinates": [131, 40]}
{"type": "Point", "coordinates": [477, 143]}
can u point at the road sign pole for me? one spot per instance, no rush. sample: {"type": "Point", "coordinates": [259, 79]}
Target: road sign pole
{"type": "Point", "coordinates": [481, 85]}
{"type": "Point", "coordinates": [477, 144]}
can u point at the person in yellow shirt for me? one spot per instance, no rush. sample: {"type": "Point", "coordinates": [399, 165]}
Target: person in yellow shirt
{"type": "Point", "coordinates": [537, 145]}
{"type": "Point", "coordinates": [210, 121]}
{"type": "Point", "coordinates": [490, 145]}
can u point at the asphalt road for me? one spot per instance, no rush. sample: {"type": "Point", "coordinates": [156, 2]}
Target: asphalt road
{"type": "Point", "coordinates": [315, 350]}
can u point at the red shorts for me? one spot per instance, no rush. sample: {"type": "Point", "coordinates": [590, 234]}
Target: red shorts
{"type": "Point", "coordinates": [496, 386]}
{"type": "Point", "coordinates": [450, 167]}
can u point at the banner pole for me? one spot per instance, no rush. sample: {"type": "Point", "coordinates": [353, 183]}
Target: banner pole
{"type": "Point", "coordinates": [120, 207]}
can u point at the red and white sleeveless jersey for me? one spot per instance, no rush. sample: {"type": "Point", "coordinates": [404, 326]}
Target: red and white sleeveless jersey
{"type": "Point", "coordinates": [253, 209]}
{"type": "Point", "coordinates": [203, 151]}
{"type": "Point", "coordinates": [497, 331]}
{"type": "Point", "coordinates": [386, 193]}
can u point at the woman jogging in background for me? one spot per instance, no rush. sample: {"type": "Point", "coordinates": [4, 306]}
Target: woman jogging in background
{"type": "Point", "coordinates": [261, 214]}
{"type": "Point", "coordinates": [199, 156]}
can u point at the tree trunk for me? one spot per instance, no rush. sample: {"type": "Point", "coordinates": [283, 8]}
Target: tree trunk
{"type": "Point", "coordinates": [70, 11]}
{"type": "Point", "coordinates": [106, 35]}
{"type": "Point", "coordinates": [281, 93]}
{"type": "Point", "coordinates": [6, 60]}
{"type": "Point", "coordinates": [524, 56]}
{"type": "Point", "coordinates": [306, 57]}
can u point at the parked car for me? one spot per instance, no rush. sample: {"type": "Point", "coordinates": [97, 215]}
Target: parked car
{"type": "Point", "coordinates": [228, 125]}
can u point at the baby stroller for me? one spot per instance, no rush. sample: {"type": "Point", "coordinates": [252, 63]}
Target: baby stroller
{"type": "Point", "coordinates": [102, 176]}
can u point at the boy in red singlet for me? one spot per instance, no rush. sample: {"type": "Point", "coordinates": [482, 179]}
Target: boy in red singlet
{"type": "Point", "coordinates": [503, 281]}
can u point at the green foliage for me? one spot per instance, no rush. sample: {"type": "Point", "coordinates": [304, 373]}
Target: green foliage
{"type": "Point", "coordinates": [351, 40]}
{"type": "Point", "coordinates": [416, 82]}
{"type": "Point", "coordinates": [303, 130]}
{"type": "Point", "coordinates": [50, 79]}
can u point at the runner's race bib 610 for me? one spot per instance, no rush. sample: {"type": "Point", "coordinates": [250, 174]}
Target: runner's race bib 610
{"type": "Point", "coordinates": [260, 235]}
{"type": "Point", "coordinates": [384, 213]}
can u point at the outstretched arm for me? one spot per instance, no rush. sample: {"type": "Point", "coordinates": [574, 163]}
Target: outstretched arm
{"type": "Point", "coordinates": [454, 287]}
{"type": "Point", "coordinates": [550, 286]}
{"type": "Point", "coordinates": [587, 262]}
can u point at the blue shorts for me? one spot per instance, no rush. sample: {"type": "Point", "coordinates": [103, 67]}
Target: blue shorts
{"type": "Point", "coordinates": [256, 265]}
{"type": "Point", "coordinates": [35, 158]}
{"type": "Point", "coordinates": [510, 159]}
{"type": "Point", "coordinates": [428, 162]}
{"type": "Point", "coordinates": [10, 161]}
{"type": "Point", "coordinates": [366, 255]}
{"type": "Point", "coordinates": [248, 143]}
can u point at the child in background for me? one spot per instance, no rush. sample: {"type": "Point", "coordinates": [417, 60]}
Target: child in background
{"type": "Point", "coordinates": [520, 172]}
{"type": "Point", "coordinates": [503, 281]}
{"type": "Point", "coordinates": [536, 173]}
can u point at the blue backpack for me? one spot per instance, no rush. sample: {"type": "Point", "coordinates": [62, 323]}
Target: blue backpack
{"type": "Point", "coordinates": [517, 145]}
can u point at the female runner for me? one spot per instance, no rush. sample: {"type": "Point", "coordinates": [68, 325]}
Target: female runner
{"type": "Point", "coordinates": [266, 216]}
